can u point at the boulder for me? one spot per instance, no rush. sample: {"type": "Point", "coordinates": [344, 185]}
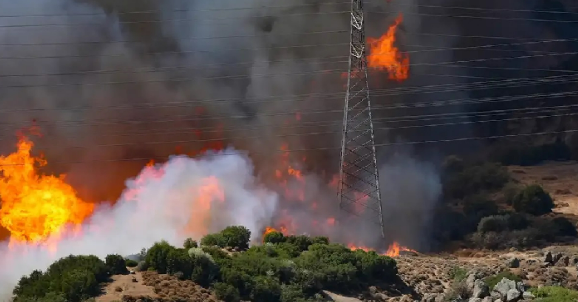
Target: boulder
{"type": "Point", "coordinates": [513, 295]}
{"type": "Point", "coordinates": [513, 263]}
{"type": "Point", "coordinates": [480, 290]}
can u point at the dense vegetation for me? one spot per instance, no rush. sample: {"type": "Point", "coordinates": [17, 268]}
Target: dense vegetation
{"type": "Point", "coordinates": [485, 207]}
{"type": "Point", "coordinates": [284, 268]}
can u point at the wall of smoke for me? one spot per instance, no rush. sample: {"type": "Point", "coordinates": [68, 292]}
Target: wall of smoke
{"type": "Point", "coordinates": [183, 58]}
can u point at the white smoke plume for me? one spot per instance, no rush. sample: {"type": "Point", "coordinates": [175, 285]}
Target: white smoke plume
{"type": "Point", "coordinates": [179, 199]}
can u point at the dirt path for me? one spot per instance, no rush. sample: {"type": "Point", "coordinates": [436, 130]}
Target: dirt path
{"type": "Point", "coordinates": [112, 290]}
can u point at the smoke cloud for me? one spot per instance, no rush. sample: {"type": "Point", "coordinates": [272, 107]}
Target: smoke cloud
{"type": "Point", "coordinates": [110, 85]}
{"type": "Point", "coordinates": [181, 198]}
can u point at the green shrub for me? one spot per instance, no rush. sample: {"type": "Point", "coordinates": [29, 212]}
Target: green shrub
{"type": "Point", "coordinates": [491, 281]}
{"type": "Point", "coordinates": [189, 243]}
{"type": "Point", "coordinates": [274, 237]}
{"type": "Point", "coordinates": [236, 237]}
{"type": "Point", "coordinates": [204, 268]}
{"type": "Point", "coordinates": [226, 292]}
{"type": "Point", "coordinates": [179, 261]}
{"type": "Point", "coordinates": [141, 266]}
{"type": "Point", "coordinates": [458, 273]}
{"type": "Point", "coordinates": [74, 278]}
{"type": "Point", "coordinates": [563, 227]}
{"type": "Point", "coordinates": [533, 200]}
{"type": "Point", "coordinates": [266, 289]}
{"type": "Point", "coordinates": [131, 263]}
{"type": "Point", "coordinates": [214, 240]}
{"type": "Point", "coordinates": [554, 294]}
{"type": "Point", "coordinates": [156, 257]}
{"type": "Point", "coordinates": [116, 264]}
{"type": "Point", "coordinates": [496, 223]}
{"type": "Point", "coordinates": [301, 243]}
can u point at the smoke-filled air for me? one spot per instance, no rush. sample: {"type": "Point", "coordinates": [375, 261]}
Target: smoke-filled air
{"type": "Point", "coordinates": [119, 132]}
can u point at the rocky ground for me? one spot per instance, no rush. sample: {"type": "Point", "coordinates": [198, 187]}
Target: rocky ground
{"type": "Point", "coordinates": [428, 278]}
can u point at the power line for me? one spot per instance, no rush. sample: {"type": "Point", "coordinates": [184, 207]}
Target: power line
{"type": "Point", "coordinates": [80, 14]}
{"type": "Point", "coordinates": [191, 130]}
{"type": "Point", "coordinates": [484, 18]}
{"type": "Point", "coordinates": [400, 91]}
{"type": "Point", "coordinates": [70, 24]}
{"type": "Point", "coordinates": [182, 118]}
{"type": "Point", "coordinates": [268, 152]}
{"type": "Point", "coordinates": [489, 9]}
{"type": "Point", "coordinates": [486, 46]}
{"type": "Point", "coordinates": [400, 119]}
{"type": "Point", "coordinates": [176, 10]}
{"type": "Point", "coordinates": [304, 73]}
{"type": "Point", "coordinates": [511, 83]}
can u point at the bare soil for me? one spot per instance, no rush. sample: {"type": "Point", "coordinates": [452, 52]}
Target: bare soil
{"type": "Point", "coordinates": [559, 179]}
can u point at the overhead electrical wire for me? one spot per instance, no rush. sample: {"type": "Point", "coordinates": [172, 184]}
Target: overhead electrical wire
{"type": "Point", "coordinates": [69, 24]}
{"type": "Point", "coordinates": [449, 63]}
{"type": "Point", "coordinates": [213, 153]}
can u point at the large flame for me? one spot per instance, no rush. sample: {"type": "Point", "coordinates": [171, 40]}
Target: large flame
{"type": "Point", "coordinates": [35, 206]}
{"type": "Point", "coordinates": [385, 56]}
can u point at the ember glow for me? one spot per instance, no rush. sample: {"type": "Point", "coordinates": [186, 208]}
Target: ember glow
{"type": "Point", "coordinates": [384, 55]}
{"type": "Point", "coordinates": [35, 206]}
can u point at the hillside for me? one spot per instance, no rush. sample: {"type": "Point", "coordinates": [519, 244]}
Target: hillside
{"type": "Point", "coordinates": [507, 234]}
{"type": "Point", "coordinates": [560, 179]}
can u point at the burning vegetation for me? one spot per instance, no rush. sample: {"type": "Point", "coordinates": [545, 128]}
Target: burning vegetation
{"type": "Point", "coordinates": [45, 213]}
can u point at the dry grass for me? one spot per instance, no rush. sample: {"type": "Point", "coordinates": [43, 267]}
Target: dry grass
{"type": "Point", "coordinates": [152, 287]}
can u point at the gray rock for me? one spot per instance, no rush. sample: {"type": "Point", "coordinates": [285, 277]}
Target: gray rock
{"type": "Point", "coordinates": [471, 280]}
{"type": "Point", "coordinates": [481, 290]}
{"type": "Point", "coordinates": [513, 263]}
{"type": "Point", "coordinates": [528, 296]}
{"type": "Point", "coordinates": [547, 257]}
{"type": "Point", "coordinates": [380, 297]}
{"type": "Point", "coordinates": [556, 257]}
{"type": "Point", "coordinates": [475, 300]}
{"type": "Point", "coordinates": [520, 287]}
{"type": "Point", "coordinates": [513, 295]}
{"type": "Point", "coordinates": [564, 261]}
{"type": "Point", "coordinates": [487, 299]}
{"type": "Point", "coordinates": [504, 286]}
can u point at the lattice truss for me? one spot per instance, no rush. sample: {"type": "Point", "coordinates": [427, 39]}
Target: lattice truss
{"type": "Point", "coordinates": [359, 179]}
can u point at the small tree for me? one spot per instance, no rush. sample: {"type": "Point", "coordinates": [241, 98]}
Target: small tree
{"type": "Point", "coordinates": [274, 237]}
{"type": "Point", "coordinates": [533, 200]}
{"type": "Point", "coordinates": [116, 264]}
{"type": "Point", "coordinates": [236, 236]}
{"type": "Point", "coordinates": [213, 240]}
{"type": "Point", "coordinates": [156, 256]}
{"type": "Point", "coordinates": [189, 244]}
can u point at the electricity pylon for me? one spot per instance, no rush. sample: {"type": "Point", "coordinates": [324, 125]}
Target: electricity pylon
{"type": "Point", "coordinates": [359, 177]}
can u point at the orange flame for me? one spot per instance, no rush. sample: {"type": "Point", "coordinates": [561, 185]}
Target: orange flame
{"type": "Point", "coordinates": [393, 250]}
{"type": "Point", "coordinates": [385, 56]}
{"type": "Point", "coordinates": [34, 206]}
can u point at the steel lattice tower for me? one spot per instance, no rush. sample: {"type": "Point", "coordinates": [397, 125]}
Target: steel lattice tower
{"type": "Point", "coordinates": [359, 178]}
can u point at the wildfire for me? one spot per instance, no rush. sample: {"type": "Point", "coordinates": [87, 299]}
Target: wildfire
{"type": "Point", "coordinates": [392, 251]}
{"type": "Point", "coordinates": [385, 56]}
{"type": "Point", "coordinates": [35, 206]}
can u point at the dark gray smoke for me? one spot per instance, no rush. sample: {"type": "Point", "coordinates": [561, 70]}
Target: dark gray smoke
{"type": "Point", "coordinates": [241, 73]}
